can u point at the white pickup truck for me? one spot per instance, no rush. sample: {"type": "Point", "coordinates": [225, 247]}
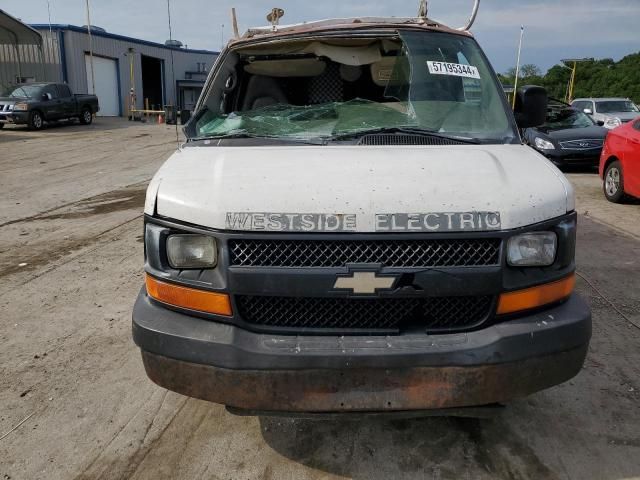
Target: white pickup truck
{"type": "Point", "coordinates": [354, 225]}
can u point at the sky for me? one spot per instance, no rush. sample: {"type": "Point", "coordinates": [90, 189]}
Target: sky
{"type": "Point", "coordinates": [554, 29]}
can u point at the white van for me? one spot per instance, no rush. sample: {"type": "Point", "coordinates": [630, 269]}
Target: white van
{"type": "Point", "coordinates": [354, 225]}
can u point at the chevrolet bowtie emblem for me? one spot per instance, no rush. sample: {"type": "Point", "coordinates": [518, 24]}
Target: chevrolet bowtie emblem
{"type": "Point", "coordinates": [364, 283]}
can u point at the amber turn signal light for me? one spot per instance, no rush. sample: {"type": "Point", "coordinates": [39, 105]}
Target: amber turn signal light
{"type": "Point", "coordinates": [536, 296]}
{"type": "Point", "coordinates": [191, 298]}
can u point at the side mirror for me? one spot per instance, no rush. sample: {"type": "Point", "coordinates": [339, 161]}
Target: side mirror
{"type": "Point", "coordinates": [531, 106]}
{"type": "Point", "coordinates": [600, 123]}
{"type": "Point", "coordinates": [588, 111]}
{"type": "Point", "coordinates": [46, 97]}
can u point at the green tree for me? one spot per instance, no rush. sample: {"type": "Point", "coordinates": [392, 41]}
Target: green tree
{"type": "Point", "coordinates": [597, 78]}
{"type": "Point", "coordinates": [530, 70]}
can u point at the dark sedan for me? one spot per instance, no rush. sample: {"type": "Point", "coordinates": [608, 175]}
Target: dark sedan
{"type": "Point", "coordinates": [568, 138]}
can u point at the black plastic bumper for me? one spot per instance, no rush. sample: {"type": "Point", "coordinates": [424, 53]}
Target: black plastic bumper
{"type": "Point", "coordinates": [575, 158]}
{"type": "Point", "coordinates": [18, 118]}
{"type": "Point", "coordinates": [253, 371]}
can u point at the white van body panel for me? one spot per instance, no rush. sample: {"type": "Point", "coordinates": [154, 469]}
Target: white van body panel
{"type": "Point", "coordinates": [201, 185]}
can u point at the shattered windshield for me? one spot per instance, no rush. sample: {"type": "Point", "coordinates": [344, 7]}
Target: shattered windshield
{"type": "Point", "coordinates": [308, 121]}
{"type": "Point", "coordinates": [433, 82]}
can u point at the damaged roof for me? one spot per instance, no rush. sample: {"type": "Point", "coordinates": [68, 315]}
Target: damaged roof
{"type": "Point", "coordinates": [344, 24]}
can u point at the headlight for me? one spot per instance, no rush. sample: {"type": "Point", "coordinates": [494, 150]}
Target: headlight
{"type": "Point", "coordinates": [613, 122]}
{"type": "Point", "coordinates": [22, 107]}
{"type": "Point", "coordinates": [543, 144]}
{"type": "Point", "coordinates": [191, 251]}
{"type": "Point", "coordinates": [536, 249]}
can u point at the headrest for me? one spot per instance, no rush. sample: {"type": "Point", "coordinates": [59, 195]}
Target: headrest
{"type": "Point", "coordinates": [384, 72]}
{"type": "Point", "coordinates": [294, 67]}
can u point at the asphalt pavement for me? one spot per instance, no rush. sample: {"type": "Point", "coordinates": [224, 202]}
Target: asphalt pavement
{"type": "Point", "coordinates": [75, 402]}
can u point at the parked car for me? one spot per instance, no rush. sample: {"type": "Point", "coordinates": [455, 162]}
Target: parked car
{"type": "Point", "coordinates": [620, 162]}
{"type": "Point", "coordinates": [568, 137]}
{"type": "Point", "coordinates": [33, 104]}
{"type": "Point", "coordinates": [609, 112]}
{"type": "Point", "coordinates": [354, 225]}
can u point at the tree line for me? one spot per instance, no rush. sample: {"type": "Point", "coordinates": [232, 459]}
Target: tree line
{"type": "Point", "coordinates": [594, 78]}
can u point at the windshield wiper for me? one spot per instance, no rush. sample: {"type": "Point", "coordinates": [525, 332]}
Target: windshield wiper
{"type": "Point", "coordinates": [407, 130]}
{"type": "Point", "coordinates": [226, 136]}
{"type": "Point", "coordinates": [344, 136]}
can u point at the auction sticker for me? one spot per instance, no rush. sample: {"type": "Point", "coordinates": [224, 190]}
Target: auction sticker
{"type": "Point", "coordinates": [454, 69]}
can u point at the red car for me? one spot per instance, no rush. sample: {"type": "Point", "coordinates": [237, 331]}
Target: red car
{"type": "Point", "coordinates": [620, 162]}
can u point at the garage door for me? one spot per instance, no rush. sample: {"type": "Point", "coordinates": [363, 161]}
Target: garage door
{"type": "Point", "coordinates": [106, 72]}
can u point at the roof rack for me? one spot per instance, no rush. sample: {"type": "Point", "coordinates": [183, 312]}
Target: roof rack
{"type": "Point", "coordinates": [472, 18]}
{"type": "Point", "coordinates": [422, 19]}
{"type": "Point", "coordinates": [334, 22]}
{"type": "Point", "coordinates": [423, 10]}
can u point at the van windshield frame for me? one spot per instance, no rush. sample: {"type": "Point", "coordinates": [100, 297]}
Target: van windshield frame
{"type": "Point", "coordinates": [466, 100]}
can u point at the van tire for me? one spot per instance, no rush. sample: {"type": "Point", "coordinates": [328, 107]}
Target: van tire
{"type": "Point", "coordinates": [1, 126]}
{"type": "Point", "coordinates": [86, 116]}
{"type": "Point", "coordinates": [36, 121]}
{"type": "Point", "coordinates": [613, 184]}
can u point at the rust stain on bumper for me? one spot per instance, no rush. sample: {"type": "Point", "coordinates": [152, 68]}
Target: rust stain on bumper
{"type": "Point", "coordinates": [358, 390]}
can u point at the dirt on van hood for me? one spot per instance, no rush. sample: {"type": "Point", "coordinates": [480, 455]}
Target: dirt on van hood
{"type": "Point", "coordinates": [207, 186]}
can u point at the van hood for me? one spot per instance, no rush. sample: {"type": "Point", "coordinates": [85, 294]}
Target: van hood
{"type": "Point", "coordinates": [205, 186]}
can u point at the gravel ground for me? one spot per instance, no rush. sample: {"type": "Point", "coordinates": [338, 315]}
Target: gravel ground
{"type": "Point", "coordinates": [75, 402]}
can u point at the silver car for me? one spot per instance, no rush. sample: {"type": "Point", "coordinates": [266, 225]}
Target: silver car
{"type": "Point", "coordinates": [608, 112]}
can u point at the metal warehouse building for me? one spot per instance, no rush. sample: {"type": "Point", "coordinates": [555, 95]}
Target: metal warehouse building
{"type": "Point", "coordinates": [119, 64]}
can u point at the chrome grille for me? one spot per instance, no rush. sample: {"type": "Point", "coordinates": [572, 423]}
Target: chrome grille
{"type": "Point", "coordinates": [390, 253]}
{"type": "Point", "coordinates": [433, 314]}
{"type": "Point", "coordinates": [581, 144]}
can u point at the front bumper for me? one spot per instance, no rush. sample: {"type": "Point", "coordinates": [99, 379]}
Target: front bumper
{"type": "Point", "coordinates": [18, 118]}
{"type": "Point", "coordinates": [288, 373]}
{"type": "Point", "coordinates": [586, 158]}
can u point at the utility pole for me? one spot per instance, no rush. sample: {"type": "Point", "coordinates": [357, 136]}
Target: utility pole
{"type": "Point", "coordinates": [49, 14]}
{"type": "Point", "coordinates": [515, 86]}
{"type": "Point", "coordinates": [572, 82]}
{"type": "Point", "coordinates": [572, 64]}
{"type": "Point", "coordinates": [93, 78]}
{"type": "Point", "coordinates": [132, 84]}
{"type": "Point", "coordinates": [51, 40]}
